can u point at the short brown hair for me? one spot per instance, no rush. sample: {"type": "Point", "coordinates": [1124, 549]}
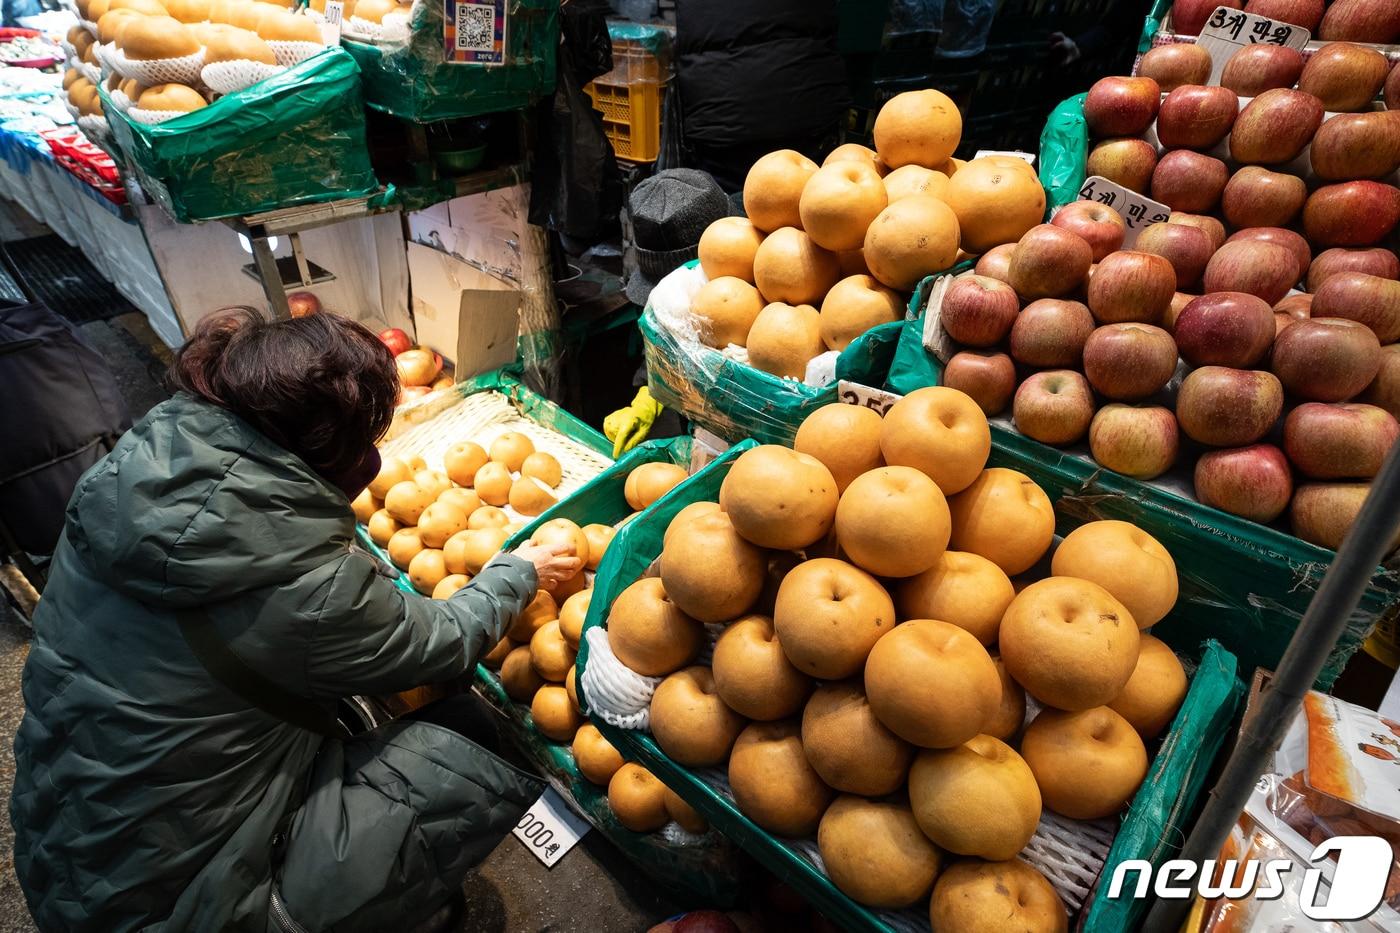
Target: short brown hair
{"type": "Point", "coordinates": [321, 386]}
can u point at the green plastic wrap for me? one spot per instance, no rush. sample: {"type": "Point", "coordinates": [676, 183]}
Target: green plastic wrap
{"type": "Point", "coordinates": [736, 401]}
{"type": "Point", "coordinates": [1164, 807]}
{"type": "Point", "coordinates": [1160, 805]}
{"type": "Point", "coordinates": [295, 138]}
{"type": "Point", "coordinates": [414, 81]}
{"type": "Point", "coordinates": [1243, 583]}
{"type": "Point", "coordinates": [1064, 148]}
{"type": "Point", "coordinates": [1153, 24]}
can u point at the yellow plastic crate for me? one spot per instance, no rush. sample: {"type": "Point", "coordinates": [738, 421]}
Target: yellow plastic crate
{"type": "Point", "coordinates": [629, 97]}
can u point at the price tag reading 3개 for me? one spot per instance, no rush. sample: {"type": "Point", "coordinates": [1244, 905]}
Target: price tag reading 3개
{"type": "Point", "coordinates": [1138, 212]}
{"type": "Point", "coordinates": [549, 829]}
{"type": "Point", "coordinates": [1227, 31]}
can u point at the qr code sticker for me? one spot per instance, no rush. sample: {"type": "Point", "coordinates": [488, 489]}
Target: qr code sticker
{"type": "Point", "coordinates": [476, 27]}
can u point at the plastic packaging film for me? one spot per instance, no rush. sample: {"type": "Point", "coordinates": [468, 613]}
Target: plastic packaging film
{"type": "Point", "coordinates": [411, 79]}
{"type": "Point", "coordinates": [295, 138]}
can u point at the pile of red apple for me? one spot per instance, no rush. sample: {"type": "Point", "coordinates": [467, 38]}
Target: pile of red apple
{"type": "Point", "coordinates": [1083, 340]}
{"type": "Point", "coordinates": [420, 368]}
{"type": "Point", "coordinates": [1376, 21]}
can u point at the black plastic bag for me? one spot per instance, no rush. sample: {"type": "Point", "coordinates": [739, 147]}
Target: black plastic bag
{"type": "Point", "coordinates": [576, 187]}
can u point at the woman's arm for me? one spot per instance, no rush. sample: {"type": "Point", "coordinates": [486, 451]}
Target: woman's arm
{"type": "Point", "coordinates": [372, 637]}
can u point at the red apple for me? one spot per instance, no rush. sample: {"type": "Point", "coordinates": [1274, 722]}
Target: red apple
{"type": "Point", "coordinates": [978, 310]}
{"type": "Point", "coordinates": [1137, 441]}
{"type": "Point", "coordinates": [395, 339]}
{"type": "Point", "coordinates": [1257, 197]}
{"type": "Point", "coordinates": [705, 921]}
{"type": "Point", "coordinates": [1049, 262]}
{"type": "Point", "coordinates": [1345, 441]}
{"type": "Point", "coordinates": [1207, 225]}
{"type": "Point", "coordinates": [1131, 286]}
{"type": "Point", "coordinates": [1051, 333]}
{"type": "Point", "coordinates": [1305, 13]}
{"type": "Point", "coordinates": [1275, 127]}
{"type": "Point", "coordinates": [1053, 407]}
{"type": "Point", "coordinates": [300, 304]}
{"type": "Point", "coordinates": [1326, 359]}
{"type": "Point", "coordinates": [1100, 225]}
{"type": "Point", "coordinates": [1176, 64]}
{"type": "Point", "coordinates": [418, 366]}
{"type": "Point", "coordinates": [412, 394]}
{"type": "Point", "coordinates": [1391, 93]}
{"type": "Point", "coordinates": [1188, 249]}
{"type": "Point", "coordinates": [1127, 162]}
{"type": "Point", "coordinates": [1255, 69]}
{"type": "Point", "coordinates": [1357, 145]}
{"type": "Point", "coordinates": [1195, 117]}
{"type": "Point", "coordinates": [1289, 240]}
{"type": "Point", "coordinates": [1297, 307]}
{"type": "Point", "coordinates": [1129, 362]}
{"type": "Point", "coordinates": [989, 378]}
{"type": "Point", "coordinates": [1265, 270]}
{"type": "Point", "coordinates": [1361, 21]}
{"type": "Point", "coordinates": [1226, 407]}
{"type": "Point", "coordinates": [1189, 16]}
{"type": "Point", "coordinates": [1353, 213]}
{"type": "Point", "coordinates": [1384, 390]}
{"type": "Point", "coordinates": [1366, 299]}
{"type": "Point", "coordinates": [1225, 329]}
{"type": "Point", "coordinates": [1375, 261]}
{"type": "Point", "coordinates": [1121, 106]}
{"type": "Point", "coordinates": [1323, 513]}
{"type": "Point", "coordinates": [995, 263]}
{"type": "Point", "coordinates": [1189, 181]}
{"type": "Point", "coordinates": [1179, 302]}
{"type": "Point", "coordinates": [1344, 76]}
{"type": "Point", "coordinates": [1251, 482]}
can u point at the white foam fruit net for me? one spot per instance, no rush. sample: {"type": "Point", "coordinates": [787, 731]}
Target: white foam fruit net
{"type": "Point", "coordinates": [153, 117]}
{"type": "Point", "coordinates": [183, 70]}
{"type": "Point", "coordinates": [231, 76]}
{"type": "Point", "coordinates": [290, 52]}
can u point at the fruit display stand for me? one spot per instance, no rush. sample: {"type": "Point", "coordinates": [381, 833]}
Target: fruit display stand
{"type": "Point", "coordinates": [733, 399]}
{"type": "Point", "coordinates": [701, 868]}
{"type": "Point", "coordinates": [409, 77]}
{"type": "Point", "coordinates": [1072, 856]}
{"type": "Point", "coordinates": [293, 139]}
{"type": "Point", "coordinates": [1243, 583]}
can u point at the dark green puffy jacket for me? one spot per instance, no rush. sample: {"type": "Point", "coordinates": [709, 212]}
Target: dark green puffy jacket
{"type": "Point", "coordinates": [149, 796]}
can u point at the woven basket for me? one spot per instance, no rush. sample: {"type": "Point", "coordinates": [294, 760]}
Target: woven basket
{"type": "Point", "coordinates": [482, 417]}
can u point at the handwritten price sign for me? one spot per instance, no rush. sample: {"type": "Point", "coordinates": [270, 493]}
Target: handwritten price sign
{"type": "Point", "coordinates": [549, 828]}
{"type": "Point", "coordinates": [877, 400]}
{"type": "Point", "coordinates": [1138, 212]}
{"type": "Point", "coordinates": [1227, 31]}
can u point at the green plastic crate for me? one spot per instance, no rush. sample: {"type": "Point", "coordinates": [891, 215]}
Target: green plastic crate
{"type": "Point", "coordinates": [296, 138]}
{"type": "Point", "coordinates": [1155, 822]}
{"type": "Point", "coordinates": [736, 401]}
{"type": "Point", "coordinates": [415, 82]}
{"type": "Point", "coordinates": [1243, 583]}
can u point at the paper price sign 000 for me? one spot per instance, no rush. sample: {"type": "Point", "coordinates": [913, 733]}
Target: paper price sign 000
{"type": "Point", "coordinates": [1227, 31]}
{"type": "Point", "coordinates": [1138, 212]}
{"type": "Point", "coordinates": [549, 828]}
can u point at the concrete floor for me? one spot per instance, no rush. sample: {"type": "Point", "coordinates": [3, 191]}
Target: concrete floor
{"type": "Point", "coordinates": [592, 888]}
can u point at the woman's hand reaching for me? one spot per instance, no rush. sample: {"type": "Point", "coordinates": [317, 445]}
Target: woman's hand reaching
{"type": "Point", "coordinates": [553, 562]}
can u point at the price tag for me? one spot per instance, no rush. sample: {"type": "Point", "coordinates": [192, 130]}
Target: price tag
{"type": "Point", "coordinates": [853, 393]}
{"type": "Point", "coordinates": [1138, 212]}
{"type": "Point", "coordinates": [1228, 30]}
{"type": "Point", "coordinates": [330, 29]}
{"type": "Point", "coordinates": [1029, 157]}
{"type": "Point", "coordinates": [550, 829]}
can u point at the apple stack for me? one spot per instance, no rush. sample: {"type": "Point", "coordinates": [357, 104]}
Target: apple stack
{"type": "Point", "coordinates": [1229, 288]}
{"type": "Point", "coordinates": [1375, 21]}
{"type": "Point", "coordinates": [885, 605]}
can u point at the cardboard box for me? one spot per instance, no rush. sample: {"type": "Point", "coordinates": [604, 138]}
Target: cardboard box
{"type": "Point", "coordinates": [461, 312]}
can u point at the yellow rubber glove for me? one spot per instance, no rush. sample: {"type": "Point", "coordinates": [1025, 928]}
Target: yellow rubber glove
{"type": "Point", "coordinates": [628, 427]}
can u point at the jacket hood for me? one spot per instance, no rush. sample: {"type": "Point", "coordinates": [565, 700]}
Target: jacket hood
{"type": "Point", "coordinates": [194, 506]}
